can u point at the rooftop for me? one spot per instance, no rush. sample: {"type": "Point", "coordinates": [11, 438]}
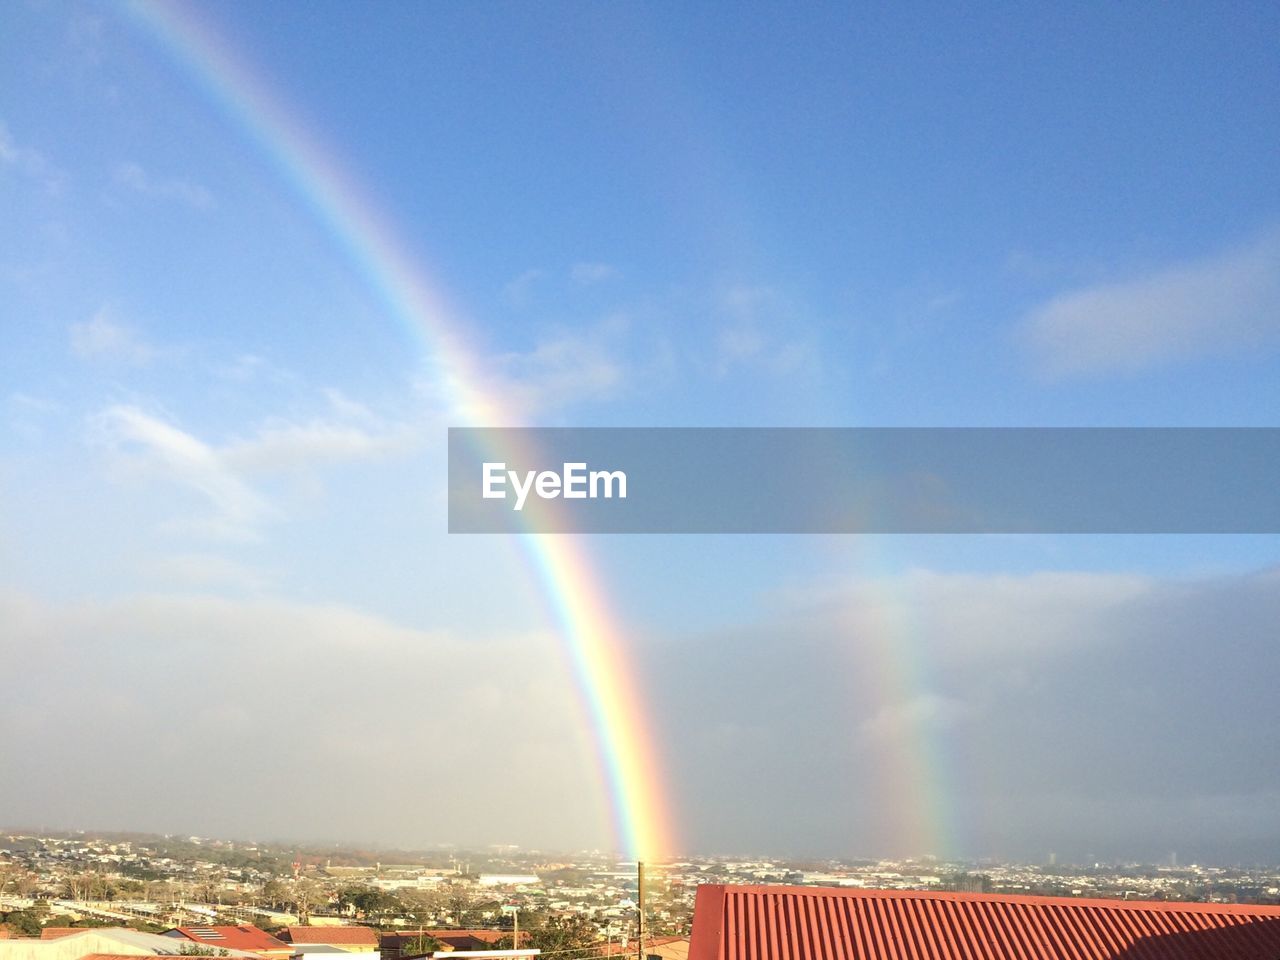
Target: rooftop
{"type": "Point", "coordinates": [803, 923]}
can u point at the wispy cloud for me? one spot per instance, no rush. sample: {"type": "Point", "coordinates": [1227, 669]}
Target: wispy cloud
{"type": "Point", "coordinates": [137, 179]}
{"type": "Point", "coordinates": [759, 334]}
{"type": "Point", "coordinates": [1200, 307]}
{"type": "Point", "coordinates": [286, 445]}
{"type": "Point", "coordinates": [226, 475]}
{"type": "Point", "coordinates": [29, 415]}
{"type": "Point", "coordinates": [251, 366]}
{"type": "Point", "coordinates": [183, 458]}
{"type": "Point", "coordinates": [555, 374]}
{"type": "Point", "coordinates": [30, 163]}
{"type": "Point", "coordinates": [519, 289]}
{"type": "Point", "coordinates": [102, 338]}
{"type": "Point", "coordinates": [587, 273]}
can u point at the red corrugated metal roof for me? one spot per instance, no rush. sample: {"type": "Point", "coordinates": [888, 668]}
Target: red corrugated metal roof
{"type": "Point", "coordinates": [242, 937]}
{"type": "Point", "coordinates": [55, 933]}
{"type": "Point", "coordinates": [818, 923]}
{"type": "Point", "coordinates": [345, 936]}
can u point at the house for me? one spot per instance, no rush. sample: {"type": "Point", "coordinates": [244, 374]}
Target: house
{"type": "Point", "coordinates": [361, 941]}
{"type": "Point", "coordinates": [820, 923]}
{"type": "Point", "coordinates": [241, 937]}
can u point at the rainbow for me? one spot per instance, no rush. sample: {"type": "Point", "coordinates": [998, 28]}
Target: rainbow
{"type": "Point", "coordinates": [915, 763]}
{"type": "Point", "coordinates": [593, 641]}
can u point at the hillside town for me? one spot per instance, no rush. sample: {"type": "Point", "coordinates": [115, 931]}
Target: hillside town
{"type": "Point", "coordinates": [141, 894]}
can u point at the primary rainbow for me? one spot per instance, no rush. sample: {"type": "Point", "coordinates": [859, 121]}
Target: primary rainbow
{"type": "Point", "coordinates": [592, 638]}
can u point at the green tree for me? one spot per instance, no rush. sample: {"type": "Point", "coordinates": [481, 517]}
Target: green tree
{"type": "Point", "coordinates": [566, 938]}
{"type": "Point", "coordinates": [24, 922]}
{"type": "Point", "coordinates": [423, 943]}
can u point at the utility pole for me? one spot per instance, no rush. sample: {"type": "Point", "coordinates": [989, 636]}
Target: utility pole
{"type": "Point", "coordinates": [515, 930]}
{"type": "Point", "coordinates": [640, 909]}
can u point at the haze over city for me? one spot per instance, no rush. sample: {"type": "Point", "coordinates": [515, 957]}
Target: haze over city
{"type": "Point", "coordinates": [256, 259]}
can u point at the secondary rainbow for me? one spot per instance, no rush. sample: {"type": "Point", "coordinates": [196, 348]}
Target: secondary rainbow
{"type": "Point", "coordinates": [593, 641]}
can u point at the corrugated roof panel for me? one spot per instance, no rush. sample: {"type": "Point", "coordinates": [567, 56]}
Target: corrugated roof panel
{"type": "Point", "coordinates": [814, 923]}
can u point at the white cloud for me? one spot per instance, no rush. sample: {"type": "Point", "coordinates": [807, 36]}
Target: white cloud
{"type": "Point", "coordinates": [182, 191]}
{"type": "Point", "coordinates": [102, 338]}
{"type": "Point", "coordinates": [554, 374]}
{"type": "Point", "coordinates": [250, 366]}
{"type": "Point", "coordinates": [30, 163]}
{"type": "Point", "coordinates": [759, 335]}
{"type": "Point", "coordinates": [284, 445]}
{"type": "Point", "coordinates": [519, 387]}
{"type": "Point", "coordinates": [238, 509]}
{"type": "Point", "coordinates": [221, 474]}
{"type": "Point", "coordinates": [588, 273]}
{"type": "Point", "coordinates": [1199, 307]}
{"type": "Point", "coordinates": [519, 289]}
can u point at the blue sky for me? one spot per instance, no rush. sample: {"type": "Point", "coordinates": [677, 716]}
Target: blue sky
{"type": "Point", "coordinates": [211, 427]}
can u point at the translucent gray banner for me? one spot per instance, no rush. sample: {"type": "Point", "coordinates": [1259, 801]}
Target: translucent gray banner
{"type": "Point", "coordinates": [864, 480]}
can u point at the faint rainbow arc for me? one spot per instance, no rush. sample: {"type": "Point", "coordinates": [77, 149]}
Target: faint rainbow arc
{"type": "Point", "coordinates": [592, 640]}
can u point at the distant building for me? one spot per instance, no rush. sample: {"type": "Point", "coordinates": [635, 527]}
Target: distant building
{"type": "Point", "coordinates": [241, 937]}
{"type": "Point", "coordinates": [508, 880]}
{"type": "Point", "coordinates": [816, 923]}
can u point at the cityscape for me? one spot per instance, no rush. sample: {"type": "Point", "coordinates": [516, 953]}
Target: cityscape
{"type": "Point", "coordinates": [76, 881]}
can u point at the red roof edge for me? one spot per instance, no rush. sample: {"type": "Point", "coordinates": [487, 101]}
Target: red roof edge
{"type": "Point", "coordinates": [1177, 906]}
{"type": "Point", "coordinates": [708, 921]}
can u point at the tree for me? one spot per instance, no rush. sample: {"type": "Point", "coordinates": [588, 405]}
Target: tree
{"type": "Point", "coordinates": [566, 938]}
{"type": "Point", "coordinates": [307, 894]}
{"type": "Point", "coordinates": [461, 903]}
{"type": "Point", "coordinates": [25, 922]}
{"type": "Point", "coordinates": [273, 893]}
{"type": "Point", "coordinates": [367, 903]}
{"type": "Point", "coordinates": [25, 884]}
{"type": "Point", "coordinates": [423, 943]}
